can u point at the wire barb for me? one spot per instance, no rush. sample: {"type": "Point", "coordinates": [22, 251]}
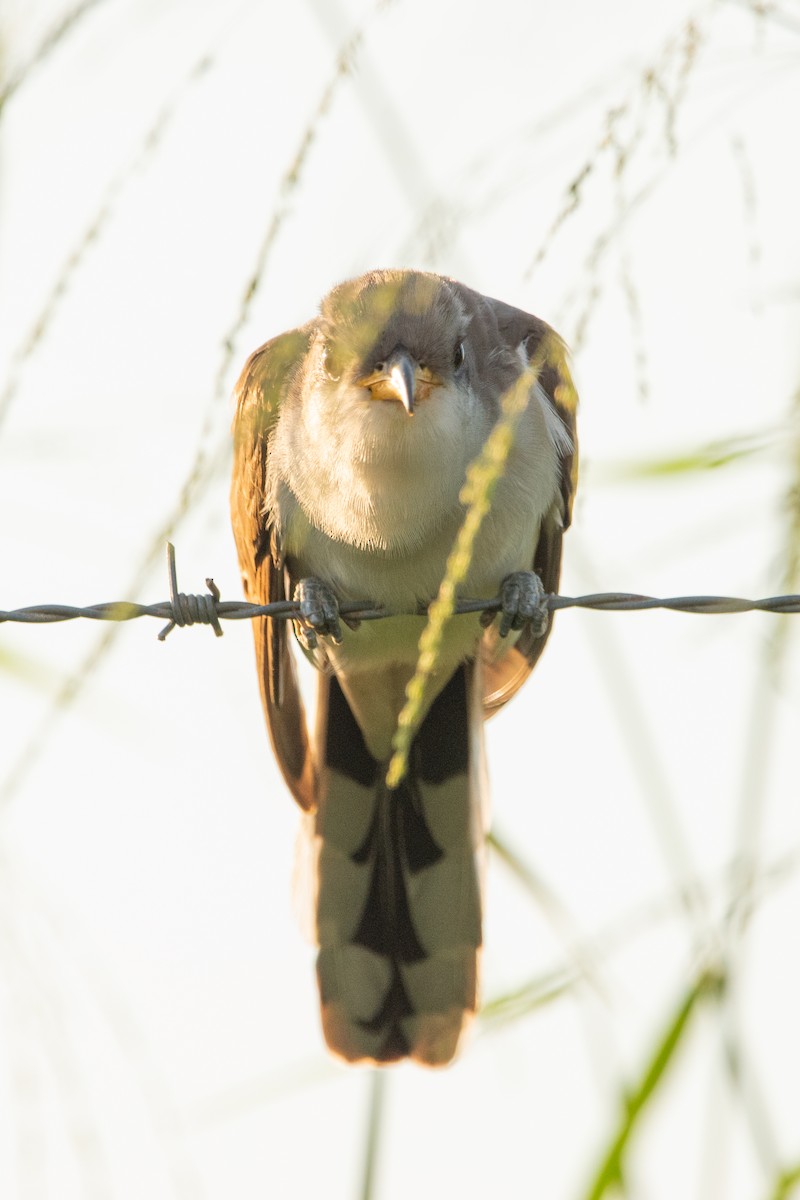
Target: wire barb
{"type": "Point", "coordinates": [191, 609]}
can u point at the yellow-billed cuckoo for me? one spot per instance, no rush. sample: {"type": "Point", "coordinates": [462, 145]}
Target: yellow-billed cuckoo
{"type": "Point", "coordinates": [352, 438]}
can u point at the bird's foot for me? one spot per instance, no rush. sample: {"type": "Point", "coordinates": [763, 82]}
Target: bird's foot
{"type": "Point", "coordinates": [319, 612]}
{"type": "Point", "coordinates": [523, 601]}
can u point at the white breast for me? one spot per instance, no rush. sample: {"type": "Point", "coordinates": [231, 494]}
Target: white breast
{"type": "Point", "coordinates": [370, 496]}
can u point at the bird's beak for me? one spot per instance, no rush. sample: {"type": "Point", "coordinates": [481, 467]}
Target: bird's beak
{"type": "Point", "coordinates": [398, 378]}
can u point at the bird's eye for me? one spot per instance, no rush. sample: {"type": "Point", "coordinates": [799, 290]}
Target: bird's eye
{"type": "Point", "coordinates": [458, 356]}
{"type": "Point", "coordinates": [328, 363]}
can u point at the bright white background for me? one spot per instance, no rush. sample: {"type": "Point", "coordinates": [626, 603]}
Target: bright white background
{"type": "Point", "coordinates": [628, 171]}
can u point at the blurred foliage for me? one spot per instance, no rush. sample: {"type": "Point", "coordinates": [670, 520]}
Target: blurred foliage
{"type": "Point", "coordinates": [722, 452]}
{"type": "Point", "coordinates": [610, 1174]}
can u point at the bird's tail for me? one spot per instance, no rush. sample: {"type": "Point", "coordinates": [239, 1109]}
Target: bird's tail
{"type": "Point", "coordinates": [398, 882]}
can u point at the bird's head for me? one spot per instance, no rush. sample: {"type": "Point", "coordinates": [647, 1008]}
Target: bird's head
{"type": "Point", "coordinates": [396, 336]}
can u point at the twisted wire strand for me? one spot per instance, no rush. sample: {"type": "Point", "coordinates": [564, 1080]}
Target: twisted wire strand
{"type": "Point", "coordinates": [208, 609]}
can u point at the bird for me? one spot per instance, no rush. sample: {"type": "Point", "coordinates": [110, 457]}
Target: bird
{"type": "Point", "coordinates": [352, 438]}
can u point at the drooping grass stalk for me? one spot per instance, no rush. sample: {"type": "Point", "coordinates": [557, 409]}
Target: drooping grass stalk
{"type": "Point", "coordinates": [483, 476]}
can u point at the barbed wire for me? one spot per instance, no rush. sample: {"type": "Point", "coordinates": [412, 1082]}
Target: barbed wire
{"type": "Point", "coordinates": [209, 609]}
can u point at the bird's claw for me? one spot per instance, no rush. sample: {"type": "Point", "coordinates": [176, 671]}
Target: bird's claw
{"type": "Point", "coordinates": [319, 612]}
{"type": "Point", "coordinates": [523, 601]}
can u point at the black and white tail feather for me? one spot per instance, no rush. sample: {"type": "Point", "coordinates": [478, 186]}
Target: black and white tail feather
{"type": "Point", "coordinates": [399, 881]}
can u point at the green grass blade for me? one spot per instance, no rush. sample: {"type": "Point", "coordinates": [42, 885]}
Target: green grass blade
{"type": "Point", "coordinates": [610, 1172]}
{"type": "Point", "coordinates": [375, 1122]}
{"type": "Point", "coordinates": [787, 1183]}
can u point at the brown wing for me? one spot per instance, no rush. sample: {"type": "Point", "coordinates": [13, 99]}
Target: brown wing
{"type": "Point", "coordinates": [262, 385]}
{"type": "Point", "coordinates": [502, 679]}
